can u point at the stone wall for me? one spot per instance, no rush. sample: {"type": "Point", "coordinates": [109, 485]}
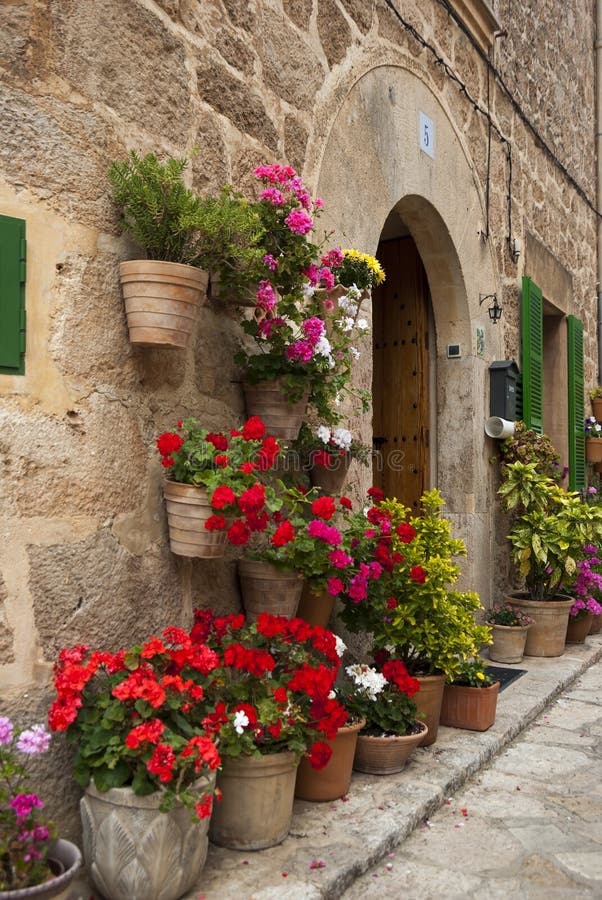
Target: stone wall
{"type": "Point", "coordinates": [84, 554]}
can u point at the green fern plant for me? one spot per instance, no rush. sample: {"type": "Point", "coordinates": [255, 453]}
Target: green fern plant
{"type": "Point", "coordinates": [157, 209]}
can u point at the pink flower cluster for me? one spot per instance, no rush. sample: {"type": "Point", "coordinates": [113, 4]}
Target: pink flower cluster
{"type": "Point", "coordinates": [327, 533]}
{"type": "Point", "coordinates": [303, 350]}
{"type": "Point", "coordinates": [266, 298]}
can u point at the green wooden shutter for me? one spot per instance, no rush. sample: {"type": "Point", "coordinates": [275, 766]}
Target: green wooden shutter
{"type": "Point", "coordinates": [532, 355]}
{"type": "Point", "coordinates": [576, 405]}
{"type": "Point", "coordinates": [12, 295]}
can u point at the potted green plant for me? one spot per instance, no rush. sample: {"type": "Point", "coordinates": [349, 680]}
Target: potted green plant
{"type": "Point", "coordinates": [528, 446]}
{"type": "Point", "coordinates": [593, 440]}
{"type": "Point", "coordinates": [509, 627]}
{"type": "Point", "coordinates": [586, 591]}
{"type": "Point", "coordinates": [211, 477]}
{"type": "Point", "coordinates": [274, 686]}
{"type": "Point", "coordinates": [32, 862]}
{"type": "Point", "coordinates": [550, 528]}
{"type": "Point", "coordinates": [383, 698]}
{"type": "Point", "coordinates": [146, 758]}
{"type": "Point", "coordinates": [360, 270]}
{"type": "Point", "coordinates": [399, 588]}
{"type": "Point", "coordinates": [470, 698]}
{"type": "Point", "coordinates": [327, 452]}
{"type": "Point", "coordinates": [163, 292]}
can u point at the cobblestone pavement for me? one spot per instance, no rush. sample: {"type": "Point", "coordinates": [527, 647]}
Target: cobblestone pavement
{"type": "Point", "coordinates": [527, 827]}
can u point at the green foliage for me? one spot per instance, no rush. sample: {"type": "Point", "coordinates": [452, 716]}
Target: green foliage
{"type": "Point", "coordinates": [471, 673]}
{"type": "Point", "coordinates": [504, 614]}
{"type": "Point", "coordinates": [596, 393]}
{"type": "Point", "coordinates": [360, 269]}
{"type": "Point", "coordinates": [549, 531]}
{"type": "Point", "coordinates": [386, 707]}
{"type": "Point", "coordinates": [158, 210]}
{"type": "Point", "coordinates": [527, 446]}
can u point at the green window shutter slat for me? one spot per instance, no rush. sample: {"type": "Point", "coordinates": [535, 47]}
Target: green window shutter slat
{"type": "Point", "coordinates": [532, 355]}
{"type": "Point", "coordinates": [12, 295]}
{"type": "Point", "coordinates": [576, 405]}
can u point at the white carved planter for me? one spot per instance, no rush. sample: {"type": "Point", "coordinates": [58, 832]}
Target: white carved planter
{"type": "Point", "coordinates": [134, 851]}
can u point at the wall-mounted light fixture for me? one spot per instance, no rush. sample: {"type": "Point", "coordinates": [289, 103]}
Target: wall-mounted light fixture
{"type": "Point", "coordinates": [495, 310]}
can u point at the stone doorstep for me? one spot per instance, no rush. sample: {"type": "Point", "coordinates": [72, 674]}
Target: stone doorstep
{"type": "Point", "coordinates": [331, 844]}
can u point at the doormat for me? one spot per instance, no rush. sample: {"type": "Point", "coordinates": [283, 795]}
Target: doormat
{"type": "Point", "coordinates": [503, 675]}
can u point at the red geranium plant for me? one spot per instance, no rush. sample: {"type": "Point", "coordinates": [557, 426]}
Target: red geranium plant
{"type": "Point", "coordinates": [274, 685]}
{"type": "Point", "coordinates": [138, 717]}
{"type": "Point", "coordinates": [230, 466]}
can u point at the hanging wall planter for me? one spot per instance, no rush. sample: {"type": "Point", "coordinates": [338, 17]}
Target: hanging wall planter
{"type": "Point", "coordinates": [268, 400]}
{"type": "Point", "coordinates": [162, 301]}
{"type": "Point", "coordinates": [267, 589]}
{"type": "Point", "coordinates": [593, 450]}
{"type": "Point", "coordinates": [315, 607]}
{"type": "Point", "coordinates": [188, 509]}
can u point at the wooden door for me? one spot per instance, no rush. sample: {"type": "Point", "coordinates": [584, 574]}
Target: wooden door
{"type": "Point", "coordinates": [400, 387]}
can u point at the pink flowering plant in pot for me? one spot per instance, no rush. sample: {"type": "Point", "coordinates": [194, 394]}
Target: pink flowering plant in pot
{"type": "Point", "coordinates": [274, 685]}
{"type": "Point", "coordinates": [141, 718]}
{"type": "Point", "coordinates": [25, 834]}
{"type": "Point", "coordinates": [587, 586]}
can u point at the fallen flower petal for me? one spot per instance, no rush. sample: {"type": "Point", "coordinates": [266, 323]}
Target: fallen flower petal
{"type": "Point", "coordinates": [317, 864]}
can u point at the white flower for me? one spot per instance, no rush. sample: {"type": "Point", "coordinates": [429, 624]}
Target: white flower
{"type": "Point", "coordinates": [308, 291]}
{"type": "Point", "coordinates": [348, 306]}
{"type": "Point", "coordinates": [362, 324]}
{"type": "Point", "coordinates": [323, 347]}
{"type": "Point", "coordinates": [367, 678]}
{"type": "Point", "coordinates": [342, 438]}
{"type": "Point", "coordinates": [354, 352]}
{"type": "Point", "coordinates": [345, 324]}
{"type": "Point", "coordinates": [241, 720]}
{"type": "Point", "coordinates": [340, 645]}
{"type": "Point", "coordinates": [354, 292]}
{"type": "Point", "coordinates": [332, 695]}
{"type": "Point", "coordinates": [323, 434]}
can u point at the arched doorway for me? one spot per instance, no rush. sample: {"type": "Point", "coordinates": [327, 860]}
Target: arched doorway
{"type": "Point", "coordinates": [401, 375]}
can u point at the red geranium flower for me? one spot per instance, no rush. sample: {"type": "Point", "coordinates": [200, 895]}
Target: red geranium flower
{"type": "Point", "coordinates": [168, 443]}
{"type": "Point", "coordinates": [253, 429]}
{"type": "Point", "coordinates": [239, 533]}
{"type": "Point", "coordinates": [252, 500]}
{"type": "Point", "coordinates": [418, 574]}
{"type": "Point", "coordinates": [268, 453]}
{"type": "Point", "coordinates": [247, 467]}
{"type": "Point", "coordinates": [162, 762]}
{"type": "Point", "coordinates": [222, 496]}
{"type": "Point", "coordinates": [320, 754]}
{"type": "Point", "coordinates": [283, 534]}
{"type": "Point", "coordinates": [406, 532]}
{"type": "Point", "coordinates": [345, 503]}
{"type": "Point", "coordinates": [391, 603]}
{"type": "Point", "coordinates": [324, 507]}
{"type": "Point", "coordinates": [376, 494]}
{"type": "Point", "coordinates": [222, 460]}
{"type": "Point", "coordinates": [215, 523]}
{"type": "Point", "coordinates": [219, 441]}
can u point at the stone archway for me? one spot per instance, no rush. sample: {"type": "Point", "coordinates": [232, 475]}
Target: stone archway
{"type": "Point", "coordinates": [370, 164]}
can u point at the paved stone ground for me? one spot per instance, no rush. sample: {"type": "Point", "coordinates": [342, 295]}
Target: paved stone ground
{"type": "Point", "coordinates": [529, 826]}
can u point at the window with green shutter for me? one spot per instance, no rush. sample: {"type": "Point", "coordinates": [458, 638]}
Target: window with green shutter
{"type": "Point", "coordinates": [12, 296]}
{"type": "Point", "coordinates": [532, 355]}
{"type": "Point", "coordinates": [576, 405]}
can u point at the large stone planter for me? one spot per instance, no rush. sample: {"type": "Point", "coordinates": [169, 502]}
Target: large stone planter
{"type": "Point", "coordinates": [334, 779]}
{"type": "Point", "coordinates": [188, 509]}
{"type": "Point", "coordinates": [389, 754]}
{"type": "Point", "coordinates": [468, 707]}
{"type": "Point", "coordinates": [267, 589]}
{"type": "Point", "coordinates": [508, 644]}
{"type": "Point", "coordinates": [281, 418]}
{"type": "Point", "coordinates": [134, 851]}
{"type": "Point", "coordinates": [256, 809]}
{"type": "Point", "coordinates": [65, 861]}
{"type": "Point", "coordinates": [428, 700]}
{"type": "Point", "coordinates": [547, 635]}
{"type": "Point", "coordinates": [162, 301]}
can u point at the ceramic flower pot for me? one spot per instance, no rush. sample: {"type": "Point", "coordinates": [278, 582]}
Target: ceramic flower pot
{"type": "Point", "coordinates": [578, 628]}
{"type": "Point", "coordinates": [134, 851]}
{"type": "Point", "coordinates": [387, 755]}
{"type": "Point", "coordinates": [428, 700]}
{"type": "Point", "coordinates": [508, 645]}
{"type": "Point", "coordinates": [332, 478]}
{"type": "Point", "coordinates": [162, 301]}
{"type": "Point", "coordinates": [281, 418]}
{"type": "Point", "coordinates": [546, 637]}
{"type": "Point", "coordinates": [331, 782]}
{"type": "Point", "coordinates": [188, 509]}
{"type": "Point", "coordinates": [256, 809]}
{"type": "Point", "coordinates": [597, 408]}
{"type": "Point", "coordinates": [65, 861]}
{"type": "Point", "coordinates": [315, 607]}
{"type": "Point", "coordinates": [472, 708]}
{"type": "Point", "coordinates": [596, 624]}
{"type": "Point", "coordinates": [267, 589]}
{"type": "Point", "coordinates": [593, 450]}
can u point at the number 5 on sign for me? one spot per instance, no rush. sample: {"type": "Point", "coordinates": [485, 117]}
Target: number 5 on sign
{"type": "Point", "coordinates": [426, 134]}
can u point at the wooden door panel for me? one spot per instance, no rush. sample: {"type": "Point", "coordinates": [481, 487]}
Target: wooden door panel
{"type": "Point", "coordinates": [400, 379]}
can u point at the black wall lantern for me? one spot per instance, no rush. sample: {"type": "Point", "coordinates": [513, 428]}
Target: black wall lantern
{"type": "Point", "coordinates": [495, 310]}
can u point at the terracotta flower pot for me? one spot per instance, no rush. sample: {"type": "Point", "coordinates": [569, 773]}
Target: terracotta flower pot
{"type": "Point", "coordinates": [334, 779]}
{"type": "Point", "coordinates": [315, 606]}
{"type": "Point", "coordinates": [257, 805]}
{"type": "Point", "coordinates": [467, 707]}
{"type": "Point", "coordinates": [332, 478]}
{"type": "Point", "coordinates": [597, 408]}
{"type": "Point", "coordinates": [268, 589]}
{"type": "Point", "coordinates": [134, 851]}
{"type": "Point", "coordinates": [593, 450]}
{"type": "Point", "coordinates": [386, 755]}
{"type": "Point", "coordinates": [162, 300]}
{"type": "Point", "coordinates": [188, 509]}
{"type": "Point", "coordinates": [428, 700]}
{"type": "Point", "coordinates": [508, 645]}
{"type": "Point", "coordinates": [65, 860]}
{"type": "Point", "coordinates": [546, 637]}
{"type": "Point", "coordinates": [578, 628]}
{"type": "Point", "coordinates": [596, 624]}
{"type": "Point", "coordinates": [268, 400]}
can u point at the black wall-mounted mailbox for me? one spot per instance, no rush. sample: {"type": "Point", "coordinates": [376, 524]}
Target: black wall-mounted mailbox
{"type": "Point", "coordinates": [502, 389]}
